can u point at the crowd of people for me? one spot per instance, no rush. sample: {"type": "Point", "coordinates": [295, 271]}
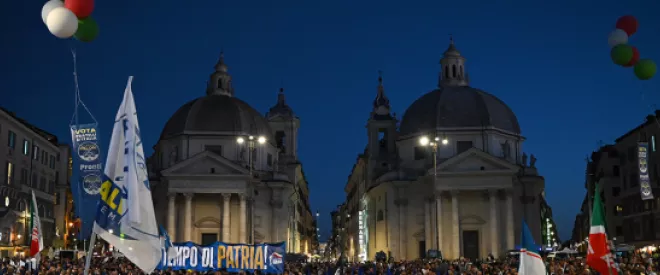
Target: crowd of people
{"type": "Point", "coordinates": [632, 264]}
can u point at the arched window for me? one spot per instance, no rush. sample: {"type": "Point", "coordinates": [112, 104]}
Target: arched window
{"type": "Point", "coordinates": [379, 216]}
{"type": "Point", "coordinates": [219, 83]}
{"type": "Point", "coordinates": [453, 70]}
{"type": "Point", "coordinates": [446, 71]}
{"type": "Point", "coordinates": [462, 72]}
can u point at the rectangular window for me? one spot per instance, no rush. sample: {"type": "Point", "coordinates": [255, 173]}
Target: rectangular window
{"type": "Point", "coordinates": [51, 186]}
{"type": "Point", "coordinates": [653, 143]}
{"type": "Point", "coordinates": [11, 139]}
{"type": "Point", "coordinates": [42, 184]}
{"type": "Point", "coordinates": [44, 157]}
{"type": "Point", "coordinates": [420, 152]}
{"type": "Point", "coordinates": [51, 164]}
{"type": "Point", "coordinates": [616, 191]}
{"type": "Point", "coordinates": [615, 170]}
{"type": "Point", "coordinates": [35, 152]}
{"type": "Point", "coordinates": [35, 180]}
{"type": "Point", "coordinates": [269, 160]}
{"type": "Point", "coordinates": [462, 146]}
{"type": "Point", "coordinates": [632, 153]}
{"type": "Point", "coordinates": [26, 147]}
{"type": "Point", "coordinates": [10, 173]}
{"type": "Point", "coordinates": [214, 148]}
{"type": "Point", "coordinates": [25, 176]}
{"type": "Point", "coordinates": [634, 179]}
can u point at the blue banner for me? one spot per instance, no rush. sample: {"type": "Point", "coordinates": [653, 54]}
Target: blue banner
{"type": "Point", "coordinates": [643, 164]}
{"type": "Point", "coordinates": [268, 258]}
{"type": "Point", "coordinates": [85, 190]}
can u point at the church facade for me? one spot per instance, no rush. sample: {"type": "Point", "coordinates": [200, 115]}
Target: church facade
{"type": "Point", "coordinates": [223, 172]}
{"type": "Point", "coordinates": [451, 176]}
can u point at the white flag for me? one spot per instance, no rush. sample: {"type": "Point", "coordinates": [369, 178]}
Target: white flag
{"type": "Point", "coordinates": [37, 240]}
{"type": "Point", "coordinates": [125, 217]}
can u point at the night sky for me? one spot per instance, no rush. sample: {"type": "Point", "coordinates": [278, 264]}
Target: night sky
{"type": "Point", "coordinates": [549, 62]}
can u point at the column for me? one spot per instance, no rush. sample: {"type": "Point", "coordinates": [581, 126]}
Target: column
{"type": "Point", "coordinates": [242, 219]}
{"type": "Point", "coordinates": [187, 224]}
{"type": "Point", "coordinates": [171, 215]}
{"type": "Point", "coordinates": [428, 241]}
{"type": "Point", "coordinates": [225, 217]}
{"type": "Point", "coordinates": [456, 234]}
{"type": "Point", "coordinates": [438, 218]}
{"type": "Point", "coordinates": [510, 239]}
{"type": "Point", "coordinates": [403, 240]}
{"type": "Point", "coordinates": [274, 226]}
{"type": "Point", "coordinates": [494, 213]}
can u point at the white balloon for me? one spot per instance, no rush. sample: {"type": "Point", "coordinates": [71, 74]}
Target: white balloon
{"type": "Point", "coordinates": [617, 37]}
{"type": "Point", "coordinates": [48, 7]}
{"type": "Point", "coordinates": [62, 23]}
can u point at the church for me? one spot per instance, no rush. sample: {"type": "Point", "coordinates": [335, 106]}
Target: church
{"type": "Point", "coordinates": [221, 171]}
{"type": "Point", "coordinates": [450, 176]}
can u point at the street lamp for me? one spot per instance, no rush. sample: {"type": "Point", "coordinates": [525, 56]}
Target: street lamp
{"type": "Point", "coordinates": [433, 143]}
{"type": "Point", "coordinates": [252, 144]}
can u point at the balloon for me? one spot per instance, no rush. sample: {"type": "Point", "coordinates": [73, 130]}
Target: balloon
{"type": "Point", "coordinates": [88, 30]}
{"type": "Point", "coordinates": [621, 54]}
{"type": "Point", "coordinates": [48, 7]}
{"type": "Point", "coordinates": [627, 23]}
{"type": "Point", "coordinates": [62, 23]}
{"type": "Point", "coordinates": [645, 69]}
{"type": "Point", "coordinates": [617, 37]}
{"type": "Point", "coordinates": [634, 59]}
{"type": "Point", "coordinates": [81, 8]}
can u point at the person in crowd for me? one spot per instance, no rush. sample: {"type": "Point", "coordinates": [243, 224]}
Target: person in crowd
{"type": "Point", "coordinates": [635, 263]}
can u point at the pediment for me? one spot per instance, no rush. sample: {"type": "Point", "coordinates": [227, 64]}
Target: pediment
{"type": "Point", "coordinates": [475, 160]}
{"type": "Point", "coordinates": [206, 163]}
{"type": "Point", "coordinates": [208, 222]}
{"type": "Point", "coordinates": [472, 220]}
{"type": "Point", "coordinates": [419, 235]}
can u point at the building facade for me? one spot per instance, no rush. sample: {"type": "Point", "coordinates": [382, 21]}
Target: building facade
{"type": "Point", "coordinates": [338, 242]}
{"type": "Point", "coordinates": [616, 171]}
{"type": "Point", "coordinates": [549, 234]}
{"type": "Point", "coordinates": [32, 160]}
{"type": "Point", "coordinates": [450, 176]}
{"type": "Point", "coordinates": [223, 172]}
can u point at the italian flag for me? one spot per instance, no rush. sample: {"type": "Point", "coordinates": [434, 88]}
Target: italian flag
{"type": "Point", "coordinates": [599, 256]}
{"type": "Point", "coordinates": [37, 241]}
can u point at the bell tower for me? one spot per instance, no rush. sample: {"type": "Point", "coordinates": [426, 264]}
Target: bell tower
{"type": "Point", "coordinates": [220, 80]}
{"type": "Point", "coordinates": [453, 71]}
{"type": "Point", "coordinates": [382, 134]}
{"type": "Point", "coordinates": [285, 125]}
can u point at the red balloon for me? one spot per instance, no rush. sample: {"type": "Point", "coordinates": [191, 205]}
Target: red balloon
{"type": "Point", "coordinates": [81, 8]}
{"type": "Point", "coordinates": [634, 59]}
{"type": "Point", "coordinates": [627, 23]}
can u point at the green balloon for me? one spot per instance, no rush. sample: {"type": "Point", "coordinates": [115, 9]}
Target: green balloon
{"type": "Point", "coordinates": [88, 30]}
{"type": "Point", "coordinates": [645, 69]}
{"type": "Point", "coordinates": [621, 54]}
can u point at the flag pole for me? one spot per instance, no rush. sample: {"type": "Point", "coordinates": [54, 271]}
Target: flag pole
{"type": "Point", "coordinates": [90, 251]}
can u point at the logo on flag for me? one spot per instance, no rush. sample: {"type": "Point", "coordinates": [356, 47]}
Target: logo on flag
{"type": "Point", "coordinates": [125, 216]}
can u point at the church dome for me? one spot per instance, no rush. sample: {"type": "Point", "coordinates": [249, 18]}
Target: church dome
{"type": "Point", "coordinates": [457, 107]}
{"type": "Point", "coordinates": [217, 113]}
{"type": "Point", "coordinates": [455, 104]}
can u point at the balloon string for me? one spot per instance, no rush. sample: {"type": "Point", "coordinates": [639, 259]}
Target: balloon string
{"type": "Point", "coordinates": [650, 106]}
{"type": "Point", "coordinates": [78, 100]}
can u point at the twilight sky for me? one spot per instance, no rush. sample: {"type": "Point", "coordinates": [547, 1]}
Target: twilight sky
{"type": "Point", "coordinates": [548, 60]}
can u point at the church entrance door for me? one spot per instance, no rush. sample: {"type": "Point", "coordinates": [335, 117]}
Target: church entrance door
{"type": "Point", "coordinates": [209, 238]}
{"type": "Point", "coordinates": [471, 244]}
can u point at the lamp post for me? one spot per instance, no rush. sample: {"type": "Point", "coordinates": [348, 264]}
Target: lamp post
{"type": "Point", "coordinates": [426, 141]}
{"type": "Point", "coordinates": [252, 142]}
